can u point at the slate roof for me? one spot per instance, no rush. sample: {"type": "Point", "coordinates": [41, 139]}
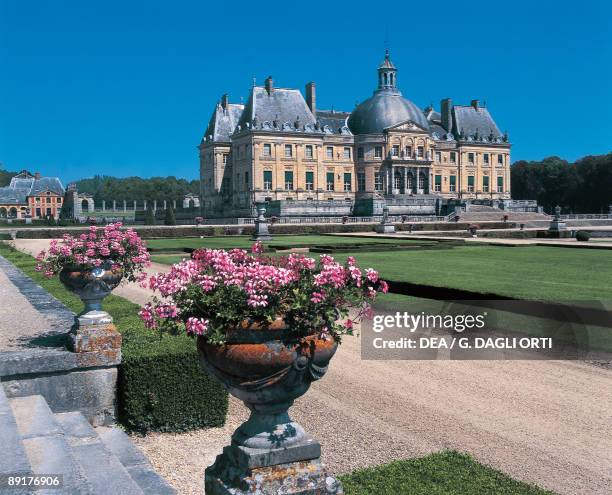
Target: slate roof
{"type": "Point", "coordinates": [23, 185]}
{"type": "Point", "coordinates": [471, 121]}
{"type": "Point", "coordinates": [223, 122]}
{"type": "Point", "coordinates": [333, 119]}
{"type": "Point", "coordinates": [283, 107]}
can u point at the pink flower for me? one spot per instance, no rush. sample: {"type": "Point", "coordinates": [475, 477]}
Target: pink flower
{"type": "Point", "coordinates": [197, 326]}
{"type": "Point", "coordinates": [257, 248]}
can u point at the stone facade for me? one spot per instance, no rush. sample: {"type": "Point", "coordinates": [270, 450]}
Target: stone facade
{"type": "Point", "coordinates": [279, 147]}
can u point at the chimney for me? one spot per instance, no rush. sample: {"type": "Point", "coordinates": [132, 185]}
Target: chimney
{"type": "Point", "coordinates": [311, 97]}
{"type": "Point", "coordinates": [475, 104]}
{"type": "Point", "coordinates": [269, 85]}
{"type": "Point", "coordinates": [446, 111]}
{"type": "Point", "coordinates": [224, 101]}
{"type": "Point", "coordinates": [37, 175]}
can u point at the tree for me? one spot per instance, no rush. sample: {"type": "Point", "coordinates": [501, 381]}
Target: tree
{"type": "Point", "coordinates": [169, 218]}
{"type": "Point", "coordinates": [150, 217]}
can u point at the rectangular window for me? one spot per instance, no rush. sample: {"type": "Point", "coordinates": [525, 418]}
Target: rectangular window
{"type": "Point", "coordinates": [470, 183]}
{"type": "Point", "coordinates": [471, 158]}
{"type": "Point", "coordinates": [361, 181]}
{"type": "Point", "coordinates": [409, 151]}
{"type": "Point", "coordinates": [329, 153]}
{"type": "Point", "coordinates": [438, 183]}
{"type": "Point", "coordinates": [49, 212]}
{"type": "Point", "coordinates": [500, 184]}
{"type": "Point", "coordinates": [453, 183]}
{"type": "Point", "coordinates": [38, 212]}
{"type": "Point", "coordinates": [267, 149]}
{"type": "Point", "coordinates": [500, 159]}
{"type": "Point", "coordinates": [267, 179]}
{"type": "Point", "coordinates": [308, 151]}
{"type": "Point", "coordinates": [288, 151]}
{"type": "Point", "coordinates": [485, 183]}
{"type": "Point", "coordinates": [453, 157]}
{"type": "Point", "coordinates": [438, 156]}
{"type": "Point", "coordinates": [330, 181]}
{"type": "Point", "coordinates": [309, 181]}
{"type": "Point", "coordinates": [395, 150]}
{"type": "Point", "coordinates": [421, 181]}
{"type": "Point", "coordinates": [347, 182]}
{"type": "Point", "coordinates": [48, 200]}
{"type": "Point", "coordinates": [420, 152]}
{"type": "Point", "coordinates": [225, 158]}
{"type": "Point", "coordinates": [288, 180]}
{"type": "Point", "coordinates": [378, 181]}
{"type": "Point", "coordinates": [378, 152]}
{"type": "Point", "coordinates": [346, 153]}
{"type": "Point", "coordinates": [246, 178]}
{"type": "Point", "coordinates": [360, 153]}
{"type": "Point", "coordinates": [485, 158]}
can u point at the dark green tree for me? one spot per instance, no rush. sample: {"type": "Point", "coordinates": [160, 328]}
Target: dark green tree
{"type": "Point", "coordinates": [169, 219]}
{"type": "Point", "coordinates": [150, 217]}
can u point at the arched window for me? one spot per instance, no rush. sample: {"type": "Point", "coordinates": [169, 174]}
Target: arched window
{"type": "Point", "coordinates": [391, 78]}
{"type": "Point", "coordinates": [3, 213]}
{"type": "Point", "coordinates": [385, 76]}
{"type": "Point", "coordinates": [85, 205]}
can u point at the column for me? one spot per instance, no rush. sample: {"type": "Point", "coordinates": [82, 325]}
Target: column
{"type": "Point", "coordinates": [154, 205]}
{"type": "Point", "coordinates": [124, 205]}
{"type": "Point", "coordinates": [103, 206]}
{"type": "Point", "coordinates": [145, 204]}
{"type": "Point", "coordinates": [405, 180]}
{"type": "Point", "coordinates": [164, 204]}
{"type": "Point", "coordinates": [114, 205]}
{"type": "Point", "coordinates": [174, 204]}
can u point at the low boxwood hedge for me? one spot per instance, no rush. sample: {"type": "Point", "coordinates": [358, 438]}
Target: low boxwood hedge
{"type": "Point", "coordinates": [161, 386]}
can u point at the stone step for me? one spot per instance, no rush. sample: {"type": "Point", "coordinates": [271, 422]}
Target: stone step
{"type": "Point", "coordinates": [13, 457]}
{"type": "Point", "coordinates": [46, 446]}
{"type": "Point", "coordinates": [105, 472]}
{"type": "Point", "coordinates": [134, 461]}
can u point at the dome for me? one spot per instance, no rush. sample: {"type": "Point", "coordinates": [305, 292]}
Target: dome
{"type": "Point", "coordinates": [384, 109]}
{"type": "Point", "coordinates": [387, 107]}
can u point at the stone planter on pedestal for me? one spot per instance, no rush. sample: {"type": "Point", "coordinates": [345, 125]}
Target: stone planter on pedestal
{"type": "Point", "coordinates": [385, 226]}
{"type": "Point", "coordinates": [93, 331]}
{"type": "Point", "coordinates": [268, 369]}
{"type": "Point", "coordinates": [261, 224]}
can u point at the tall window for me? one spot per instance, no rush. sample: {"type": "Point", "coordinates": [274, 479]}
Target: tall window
{"type": "Point", "coordinates": [471, 158]}
{"type": "Point", "coordinates": [470, 183]}
{"type": "Point", "coordinates": [267, 149]}
{"type": "Point", "coordinates": [421, 181]}
{"type": "Point", "coordinates": [330, 181]}
{"type": "Point", "coordinates": [438, 183]}
{"type": "Point", "coordinates": [378, 152]}
{"type": "Point", "coordinates": [360, 153]}
{"type": "Point", "coordinates": [347, 182]}
{"type": "Point", "coordinates": [288, 180]}
{"type": "Point", "coordinates": [288, 151]}
{"type": "Point", "coordinates": [453, 157]}
{"type": "Point", "coordinates": [246, 179]}
{"type": "Point", "coordinates": [408, 151]}
{"type": "Point", "coordinates": [438, 156]}
{"type": "Point", "coordinates": [485, 158]}
{"type": "Point", "coordinates": [453, 183]}
{"type": "Point", "coordinates": [378, 181]}
{"type": "Point", "coordinates": [485, 183]}
{"type": "Point", "coordinates": [361, 181]}
{"type": "Point", "coordinates": [267, 180]}
{"type": "Point", "coordinates": [500, 184]}
{"type": "Point", "coordinates": [346, 153]}
{"type": "Point", "coordinates": [225, 158]}
{"type": "Point", "coordinates": [309, 181]}
{"type": "Point", "coordinates": [420, 152]}
{"type": "Point", "coordinates": [329, 152]}
{"type": "Point", "coordinates": [397, 181]}
{"type": "Point", "coordinates": [308, 151]}
{"type": "Point", "coordinates": [395, 150]}
{"type": "Point", "coordinates": [500, 159]}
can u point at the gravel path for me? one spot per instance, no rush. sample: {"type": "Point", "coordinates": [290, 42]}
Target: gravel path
{"type": "Point", "coordinates": [546, 422]}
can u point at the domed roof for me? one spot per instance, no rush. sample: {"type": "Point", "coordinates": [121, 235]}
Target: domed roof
{"type": "Point", "coordinates": [386, 107]}
{"type": "Point", "coordinates": [383, 110]}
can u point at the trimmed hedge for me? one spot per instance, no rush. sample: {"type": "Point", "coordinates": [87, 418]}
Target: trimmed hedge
{"type": "Point", "coordinates": [161, 386]}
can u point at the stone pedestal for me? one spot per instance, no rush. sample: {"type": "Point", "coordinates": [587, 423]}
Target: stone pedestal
{"type": "Point", "coordinates": [294, 470]}
{"type": "Point", "coordinates": [95, 339]}
{"type": "Point", "coordinates": [261, 224]}
{"type": "Point", "coordinates": [385, 228]}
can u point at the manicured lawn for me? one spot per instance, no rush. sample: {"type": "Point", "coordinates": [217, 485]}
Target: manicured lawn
{"type": "Point", "coordinates": [243, 241]}
{"type": "Point", "coordinates": [442, 473]}
{"type": "Point", "coordinates": [532, 272]}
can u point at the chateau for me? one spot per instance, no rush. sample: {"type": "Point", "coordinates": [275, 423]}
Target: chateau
{"type": "Point", "coordinates": [280, 148]}
{"type": "Point", "coordinates": [31, 196]}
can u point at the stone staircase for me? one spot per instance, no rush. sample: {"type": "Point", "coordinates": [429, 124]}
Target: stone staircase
{"type": "Point", "coordinates": [483, 213]}
{"type": "Point", "coordinates": [92, 461]}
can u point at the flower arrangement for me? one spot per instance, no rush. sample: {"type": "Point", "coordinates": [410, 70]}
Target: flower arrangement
{"type": "Point", "coordinates": [216, 291]}
{"type": "Point", "coordinates": [100, 247]}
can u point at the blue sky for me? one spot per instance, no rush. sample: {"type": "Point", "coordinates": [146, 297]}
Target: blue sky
{"type": "Point", "coordinates": [127, 88]}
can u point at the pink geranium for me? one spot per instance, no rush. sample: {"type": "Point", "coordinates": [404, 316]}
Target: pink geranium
{"type": "Point", "coordinates": [108, 246]}
{"type": "Point", "coordinates": [217, 290]}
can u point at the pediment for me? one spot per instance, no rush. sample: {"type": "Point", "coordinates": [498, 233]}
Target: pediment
{"type": "Point", "coordinates": [406, 125]}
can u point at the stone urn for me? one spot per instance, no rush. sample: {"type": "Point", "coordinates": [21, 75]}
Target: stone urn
{"type": "Point", "coordinates": [268, 368]}
{"type": "Point", "coordinates": [92, 285]}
